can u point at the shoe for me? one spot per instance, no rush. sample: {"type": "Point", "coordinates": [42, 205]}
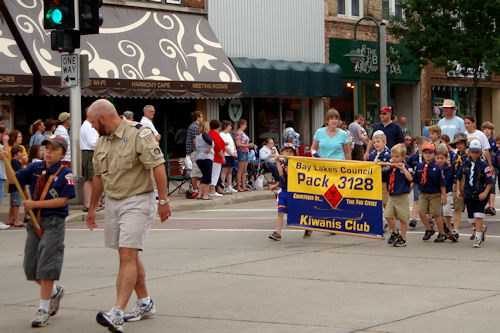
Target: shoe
{"type": "Point", "coordinates": [413, 223]}
{"type": "Point", "coordinates": [428, 234]}
{"type": "Point", "coordinates": [215, 195]}
{"type": "Point", "coordinates": [54, 301]}
{"type": "Point", "coordinates": [41, 319]}
{"type": "Point", "coordinates": [140, 311]}
{"type": "Point", "coordinates": [440, 238]}
{"type": "Point", "coordinates": [4, 226]}
{"type": "Point", "coordinates": [493, 211]}
{"type": "Point", "coordinates": [387, 228]}
{"type": "Point", "coordinates": [400, 242]}
{"type": "Point", "coordinates": [431, 222]}
{"type": "Point", "coordinates": [490, 211]}
{"type": "Point", "coordinates": [307, 234]}
{"type": "Point", "coordinates": [275, 236]}
{"type": "Point", "coordinates": [113, 319]}
{"type": "Point", "coordinates": [473, 235]}
{"type": "Point", "coordinates": [232, 189]}
{"type": "Point", "coordinates": [193, 195]}
{"type": "Point", "coordinates": [477, 243]}
{"type": "Point", "coordinates": [453, 236]}
{"type": "Point", "coordinates": [392, 239]}
{"type": "Point", "coordinates": [220, 190]}
{"type": "Point", "coordinates": [485, 228]}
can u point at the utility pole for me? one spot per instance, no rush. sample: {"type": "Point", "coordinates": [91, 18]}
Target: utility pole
{"type": "Point", "coordinates": [75, 111]}
{"type": "Point", "coordinates": [383, 65]}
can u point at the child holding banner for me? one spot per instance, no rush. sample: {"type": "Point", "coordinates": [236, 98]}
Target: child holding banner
{"type": "Point", "coordinates": [288, 150]}
{"type": "Point", "coordinates": [413, 161]}
{"type": "Point", "coordinates": [430, 179]}
{"type": "Point", "coordinates": [400, 178]}
{"type": "Point", "coordinates": [477, 180]}
{"type": "Point", "coordinates": [442, 155]}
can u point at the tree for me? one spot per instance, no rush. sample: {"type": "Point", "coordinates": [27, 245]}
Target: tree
{"type": "Point", "coordinates": [462, 36]}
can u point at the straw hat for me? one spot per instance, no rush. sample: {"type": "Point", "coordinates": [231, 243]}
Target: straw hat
{"type": "Point", "coordinates": [448, 103]}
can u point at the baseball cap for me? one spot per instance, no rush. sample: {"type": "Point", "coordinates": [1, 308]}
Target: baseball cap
{"type": "Point", "coordinates": [386, 109]}
{"type": "Point", "coordinates": [378, 132]}
{"type": "Point", "coordinates": [63, 116]}
{"type": "Point", "coordinates": [57, 141]}
{"type": "Point", "coordinates": [429, 146]}
{"type": "Point", "coordinates": [475, 145]}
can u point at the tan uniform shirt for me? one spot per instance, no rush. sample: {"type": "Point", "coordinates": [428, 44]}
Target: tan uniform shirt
{"type": "Point", "coordinates": [125, 158]}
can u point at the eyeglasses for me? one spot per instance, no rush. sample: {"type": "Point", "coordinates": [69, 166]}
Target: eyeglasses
{"type": "Point", "coordinates": [407, 139]}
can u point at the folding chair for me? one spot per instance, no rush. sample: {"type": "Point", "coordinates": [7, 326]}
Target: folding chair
{"type": "Point", "coordinates": [177, 176]}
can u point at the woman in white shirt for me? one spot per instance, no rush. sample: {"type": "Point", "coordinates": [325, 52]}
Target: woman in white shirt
{"type": "Point", "coordinates": [472, 132]}
{"type": "Point", "coordinates": [230, 155]}
{"type": "Point", "coordinates": [266, 155]}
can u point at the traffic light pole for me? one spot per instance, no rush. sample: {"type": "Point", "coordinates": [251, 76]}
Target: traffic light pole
{"type": "Point", "coordinates": [75, 103]}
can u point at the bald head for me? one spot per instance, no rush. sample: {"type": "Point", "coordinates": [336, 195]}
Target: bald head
{"type": "Point", "coordinates": [103, 117]}
{"type": "Point", "coordinates": [402, 120]}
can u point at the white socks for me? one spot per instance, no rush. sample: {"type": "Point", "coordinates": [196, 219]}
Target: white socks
{"type": "Point", "coordinates": [479, 234]}
{"type": "Point", "coordinates": [145, 300]}
{"type": "Point", "coordinates": [44, 305]}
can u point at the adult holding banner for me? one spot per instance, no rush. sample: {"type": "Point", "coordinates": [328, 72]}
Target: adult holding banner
{"type": "Point", "coordinates": [333, 143]}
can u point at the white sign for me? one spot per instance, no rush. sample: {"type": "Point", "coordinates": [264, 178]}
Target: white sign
{"type": "Point", "coordinates": [70, 69]}
{"type": "Point", "coordinates": [235, 109]}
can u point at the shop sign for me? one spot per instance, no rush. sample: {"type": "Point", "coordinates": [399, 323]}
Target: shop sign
{"type": "Point", "coordinates": [368, 68]}
{"type": "Point", "coordinates": [461, 72]}
{"type": "Point", "coordinates": [235, 109]}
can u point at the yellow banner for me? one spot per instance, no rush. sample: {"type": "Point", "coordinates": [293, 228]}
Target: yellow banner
{"type": "Point", "coordinates": [352, 179]}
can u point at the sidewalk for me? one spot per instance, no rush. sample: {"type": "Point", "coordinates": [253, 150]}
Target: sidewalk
{"type": "Point", "coordinates": [178, 203]}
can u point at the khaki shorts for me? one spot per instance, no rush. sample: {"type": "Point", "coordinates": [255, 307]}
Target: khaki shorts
{"type": "Point", "coordinates": [127, 221]}
{"type": "Point", "coordinates": [430, 203]}
{"type": "Point", "coordinates": [398, 207]}
{"type": "Point", "coordinates": [384, 194]}
{"type": "Point", "coordinates": [458, 204]}
{"type": "Point", "coordinates": [195, 170]}
{"type": "Point", "coordinates": [448, 207]}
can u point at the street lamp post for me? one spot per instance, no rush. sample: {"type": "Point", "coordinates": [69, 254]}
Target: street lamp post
{"type": "Point", "coordinates": [355, 55]}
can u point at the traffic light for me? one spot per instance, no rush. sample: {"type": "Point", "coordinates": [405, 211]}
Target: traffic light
{"type": "Point", "coordinates": [64, 40]}
{"type": "Point", "coordinates": [58, 14]}
{"type": "Point", "coordinates": [90, 19]}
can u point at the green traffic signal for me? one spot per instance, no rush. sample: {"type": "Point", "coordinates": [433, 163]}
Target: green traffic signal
{"type": "Point", "coordinates": [54, 16]}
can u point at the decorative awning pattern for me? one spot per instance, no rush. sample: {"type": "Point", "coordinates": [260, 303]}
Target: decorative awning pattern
{"type": "Point", "coordinates": [138, 53]}
{"type": "Point", "coordinates": [15, 74]}
{"type": "Point", "coordinates": [289, 78]}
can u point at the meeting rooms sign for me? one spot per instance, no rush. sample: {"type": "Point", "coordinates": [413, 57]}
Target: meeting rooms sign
{"type": "Point", "coordinates": [369, 66]}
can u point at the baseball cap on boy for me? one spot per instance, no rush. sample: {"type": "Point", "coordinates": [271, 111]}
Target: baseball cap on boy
{"type": "Point", "coordinates": [429, 146]}
{"type": "Point", "coordinates": [57, 141]}
{"type": "Point", "coordinates": [475, 145]}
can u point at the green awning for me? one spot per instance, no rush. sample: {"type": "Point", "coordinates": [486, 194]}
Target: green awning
{"type": "Point", "coordinates": [289, 78]}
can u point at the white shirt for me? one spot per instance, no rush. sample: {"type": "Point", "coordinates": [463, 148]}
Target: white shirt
{"type": "Point", "coordinates": [230, 143]}
{"type": "Point", "coordinates": [485, 144]}
{"type": "Point", "coordinates": [88, 136]}
{"type": "Point", "coordinates": [62, 131]}
{"type": "Point", "coordinates": [266, 154]}
{"type": "Point", "coordinates": [148, 123]}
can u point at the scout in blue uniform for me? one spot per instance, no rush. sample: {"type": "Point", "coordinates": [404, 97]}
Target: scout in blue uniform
{"type": "Point", "coordinates": [283, 193]}
{"type": "Point", "coordinates": [477, 179]}
{"type": "Point", "coordinates": [413, 161]}
{"type": "Point", "coordinates": [429, 177]}
{"type": "Point", "coordinates": [489, 129]}
{"type": "Point", "coordinates": [382, 154]}
{"type": "Point", "coordinates": [460, 142]}
{"type": "Point", "coordinates": [399, 187]}
{"type": "Point", "coordinates": [442, 156]}
{"type": "Point", "coordinates": [51, 186]}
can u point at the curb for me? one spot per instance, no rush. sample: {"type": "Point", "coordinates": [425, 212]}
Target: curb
{"type": "Point", "coordinates": [183, 205]}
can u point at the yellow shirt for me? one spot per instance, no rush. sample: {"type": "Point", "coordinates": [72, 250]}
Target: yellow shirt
{"type": "Point", "coordinates": [125, 158]}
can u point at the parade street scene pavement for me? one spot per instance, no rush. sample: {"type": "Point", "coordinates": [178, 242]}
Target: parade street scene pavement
{"type": "Point", "coordinates": [215, 270]}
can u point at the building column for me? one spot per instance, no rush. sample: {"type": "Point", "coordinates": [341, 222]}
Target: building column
{"type": "Point", "coordinates": [317, 114]}
{"type": "Point", "coordinates": [212, 109]}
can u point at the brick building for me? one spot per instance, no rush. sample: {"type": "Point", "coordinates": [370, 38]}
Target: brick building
{"type": "Point", "coordinates": [411, 92]}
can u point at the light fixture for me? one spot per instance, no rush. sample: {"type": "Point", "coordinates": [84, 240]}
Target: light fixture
{"type": "Point", "coordinates": [354, 55]}
{"type": "Point", "coordinates": [377, 85]}
{"type": "Point", "coordinates": [349, 84]}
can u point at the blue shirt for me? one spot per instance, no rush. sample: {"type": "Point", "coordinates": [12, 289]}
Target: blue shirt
{"type": "Point", "coordinates": [435, 178]}
{"type": "Point", "coordinates": [449, 176]}
{"type": "Point", "coordinates": [425, 132]}
{"type": "Point", "coordinates": [414, 160]}
{"type": "Point", "coordinates": [283, 180]}
{"type": "Point", "coordinates": [475, 181]}
{"type": "Point", "coordinates": [493, 145]}
{"type": "Point", "coordinates": [452, 126]}
{"type": "Point", "coordinates": [401, 183]}
{"type": "Point", "coordinates": [393, 133]}
{"type": "Point", "coordinates": [459, 159]}
{"type": "Point", "coordinates": [62, 186]}
{"type": "Point", "coordinates": [383, 156]}
{"type": "Point", "coordinates": [16, 165]}
{"type": "Point", "coordinates": [331, 146]}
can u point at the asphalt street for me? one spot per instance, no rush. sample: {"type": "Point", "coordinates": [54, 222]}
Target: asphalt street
{"type": "Point", "coordinates": [216, 271]}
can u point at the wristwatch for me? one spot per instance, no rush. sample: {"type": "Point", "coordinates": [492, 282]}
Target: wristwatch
{"type": "Point", "coordinates": [163, 202]}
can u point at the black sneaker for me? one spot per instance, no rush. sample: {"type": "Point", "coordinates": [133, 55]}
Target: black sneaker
{"type": "Point", "coordinates": [428, 234]}
{"type": "Point", "coordinates": [453, 236]}
{"type": "Point", "coordinates": [488, 211]}
{"type": "Point", "coordinates": [440, 238]}
{"type": "Point", "coordinates": [413, 223]}
{"type": "Point", "coordinates": [473, 235]}
{"type": "Point", "coordinates": [493, 211]}
{"type": "Point", "coordinates": [400, 242]}
{"type": "Point", "coordinates": [275, 236]}
{"type": "Point", "coordinates": [392, 239]}
{"type": "Point", "coordinates": [307, 234]}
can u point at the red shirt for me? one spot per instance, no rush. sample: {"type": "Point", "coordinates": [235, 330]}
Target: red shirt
{"type": "Point", "coordinates": [219, 145]}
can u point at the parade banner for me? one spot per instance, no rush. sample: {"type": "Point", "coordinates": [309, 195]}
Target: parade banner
{"type": "Point", "coordinates": [338, 196]}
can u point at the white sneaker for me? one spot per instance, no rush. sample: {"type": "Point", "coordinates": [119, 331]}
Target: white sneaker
{"type": "Point", "coordinates": [4, 226]}
{"type": "Point", "coordinates": [215, 195]}
{"type": "Point", "coordinates": [140, 311]}
{"type": "Point", "coordinates": [232, 189]}
{"type": "Point", "coordinates": [477, 242]}
{"type": "Point", "coordinates": [113, 320]}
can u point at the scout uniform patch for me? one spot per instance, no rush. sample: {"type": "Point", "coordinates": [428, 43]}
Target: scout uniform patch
{"type": "Point", "coordinates": [157, 152]}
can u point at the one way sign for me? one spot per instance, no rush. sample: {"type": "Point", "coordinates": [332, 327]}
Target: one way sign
{"type": "Point", "coordinates": [70, 69]}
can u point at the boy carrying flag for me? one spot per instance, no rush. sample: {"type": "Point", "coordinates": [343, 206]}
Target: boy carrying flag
{"type": "Point", "coordinates": [51, 186]}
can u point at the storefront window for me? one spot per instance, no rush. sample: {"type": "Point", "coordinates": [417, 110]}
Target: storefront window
{"type": "Point", "coordinates": [266, 119]}
{"type": "Point", "coordinates": [230, 110]}
{"type": "Point", "coordinates": [297, 111]}
{"type": "Point", "coordinates": [370, 101]}
{"type": "Point", "coordinates": [345, 105]}
{"type": "Point", "coordinates": [462, 97]}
